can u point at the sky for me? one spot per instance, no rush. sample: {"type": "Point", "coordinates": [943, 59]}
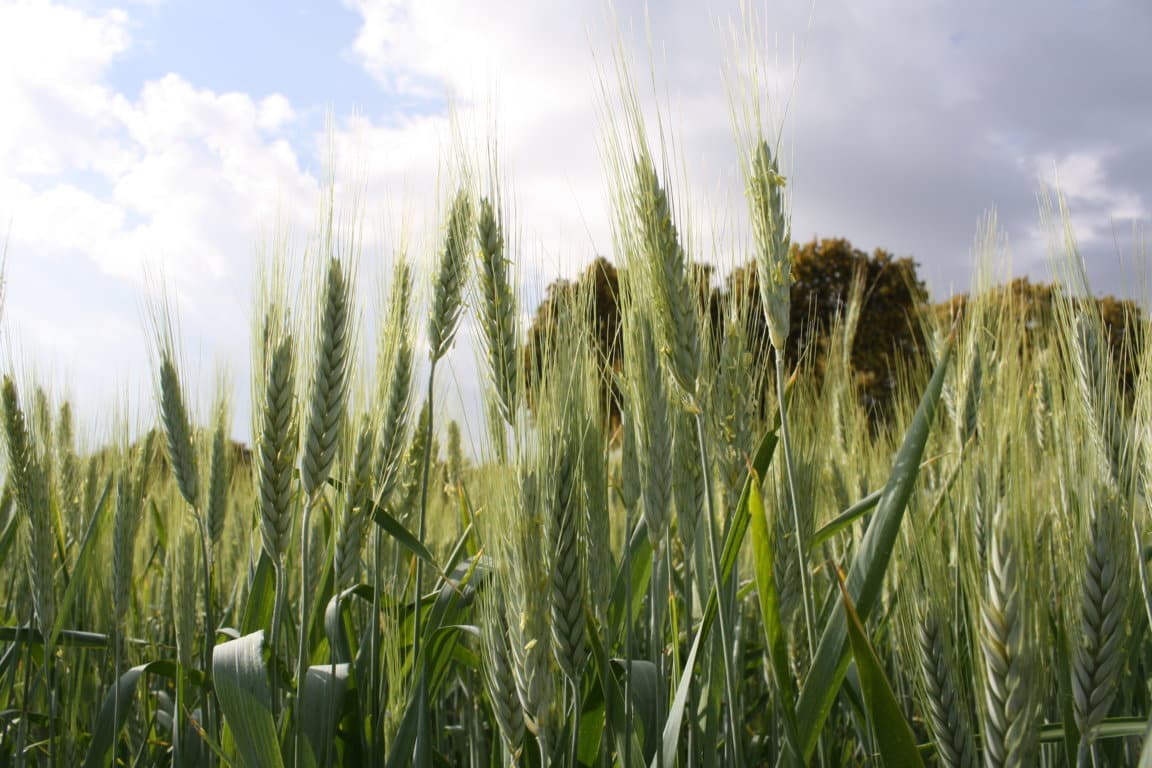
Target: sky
{"type": "Point", "coordinates": [148, 144]}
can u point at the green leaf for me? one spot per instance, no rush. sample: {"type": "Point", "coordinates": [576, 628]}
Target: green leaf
{"type": "Point", "coordinates": [79, 581]}
{"type": "Point", "coordinates": [439, 639]}
{"type": "Point", "coordinates": [646, 689]}
{"type": "Point", "coordinates": [614, 703]}
{"type": "Point", "coordinates": [640, 560]}
{"type": "Point", "coordinates": [66, 638]}
{"type": "Point", "coordinates": [241, 680]}
{"type": "Point", "coordinates": [1111, 728]}
{"type": "Point", "coordinates": [1146, 750]}
{"type": "Point", "coordinates": [868, 567]}
{"type": "Point", "coordinates": [321, 703]}
{"type": "Point", "coordinates": [846, 518]}
{"type": "Point", "coordinates": [396, 530]}
{"type": "Point", "coordinates": [261, 597]}
{"type": "Point", "coordinates": [124, 692]}
{"type": "Point", "coordinates": [732, 542]}
{"type": "Point", "coordinates": [894, 737]}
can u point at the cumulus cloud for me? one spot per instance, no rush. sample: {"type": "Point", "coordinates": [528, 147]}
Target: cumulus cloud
{"type": "Point", "coordinates": [175, 180]}
{"type": "Point", "coordinates": [908, 123]}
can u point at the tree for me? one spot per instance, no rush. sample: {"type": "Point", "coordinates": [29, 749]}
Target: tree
{"type": "Point", "coordinates": [823, 271]}
{"type": "Point", "coordinates": [1036, 303]}
{"type": "Point", "coordinates": [599, 283]}
{"type": "Point", "coordinates": [888, 332]}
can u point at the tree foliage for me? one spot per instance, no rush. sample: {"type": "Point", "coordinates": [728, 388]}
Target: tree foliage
{"type": "Point", "coordinates": [889, 333]}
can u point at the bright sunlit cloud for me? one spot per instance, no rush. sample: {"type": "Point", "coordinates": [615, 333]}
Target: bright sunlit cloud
{"type": "Point", "coordinates": [178, 139]}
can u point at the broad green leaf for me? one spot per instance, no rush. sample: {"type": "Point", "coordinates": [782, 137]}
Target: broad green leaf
{"type": "Point", "coordinates": [868, 567]}
{"type": "Point", "coordinates": [125, 691]}
{"type": "Point", "coordinates": [261, 597]}
{"type": "Point", "coordinates": [396, 530]}
{"type": "Point", "coordinates": [639, 562]}
{"type": "Point", "coordinates": [614, 704]}
{"type": "Point", "coordinates": [321, 702]}
{"type": "Point", "coordinates": [1110, 728]}
{"type": "Point", "coordinates": [894, 737]}
{"type": "Point", "coordinates": [67, 638]}
{"type": "Point", "coordinates": [439, 640]}
{"type": "Point", "coordinates": [1146, 750]}
{"type": "Point", "coordinates": [122, 693]}
{"type": "Point", "coordinates": [241, 680]}
{"type": "Point", "coordinates": [645, 689]}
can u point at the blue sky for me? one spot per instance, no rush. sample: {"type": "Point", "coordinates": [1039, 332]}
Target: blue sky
{"type": "Point", "coordinates": [174, 139]}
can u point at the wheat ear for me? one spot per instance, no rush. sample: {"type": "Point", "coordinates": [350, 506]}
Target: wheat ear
{"type": "Point", "coordinates": [568, 585]}
{"type": "Point", "coordinates": [947, 717]}
{"type": "Point", "coordinates": [219, 477]}
{"type": "Point", "coordinates": [27, 479]}
{"type": "Point", "coordinates": [1099, 656]}
{"type": "Point", "coordinates": [1008, 710]}
{"type": "Point", "coordinates": [447, 292]}
{"type": "Point", "coordinates": [499, 680]}
{"type": "Point", "coordinates": [276, 449]}
{"type": "Point", "coordinates": [329, 388]}
{"type": "Point", "coordinates": [497, 310]}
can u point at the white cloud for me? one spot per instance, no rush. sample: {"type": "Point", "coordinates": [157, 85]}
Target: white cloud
{"type": "Point", "coordinates": [178, 180]}
{"type": "Point", "coordinates": [898, 129]}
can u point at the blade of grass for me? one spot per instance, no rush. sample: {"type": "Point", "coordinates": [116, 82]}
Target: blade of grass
{"type": "Point", "coordinates": [868, 566]}
{"type": "Point", "coordinates": [738, 526]}
{"type": "Point", "coordinates": [894, 736]}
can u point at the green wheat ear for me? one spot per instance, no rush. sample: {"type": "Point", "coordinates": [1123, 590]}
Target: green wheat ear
{"type": "Point", "coordinates": [276, 448]}
{"type": "Point", "coordinates": [448, 290]}
{"type": "Point", "coordinates": [497, 310]}
{"type": "Point", "coordinates": [26, 475]}
{"type": "Point", "coordinates": [329, 384]}
{"type": "Point", "coordinates": [178, 430]}
{"type": "Point", "coordinates": [770, 230]}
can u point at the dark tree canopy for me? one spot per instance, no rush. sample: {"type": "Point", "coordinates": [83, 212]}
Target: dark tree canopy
{"type": "Point", "coordinates": [822, 274]}
{"type": "Point", "coordinates": [889, 334]}
{"type": "Point", "coordinates": [1035, 303]}
{"type": "Point", "coordinates": [603, 281]}
{"type": "Point", "coordinates": [823, 271]}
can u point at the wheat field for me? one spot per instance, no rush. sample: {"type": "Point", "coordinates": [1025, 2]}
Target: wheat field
{"type": "Point", "coordinates": [743, 570]}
